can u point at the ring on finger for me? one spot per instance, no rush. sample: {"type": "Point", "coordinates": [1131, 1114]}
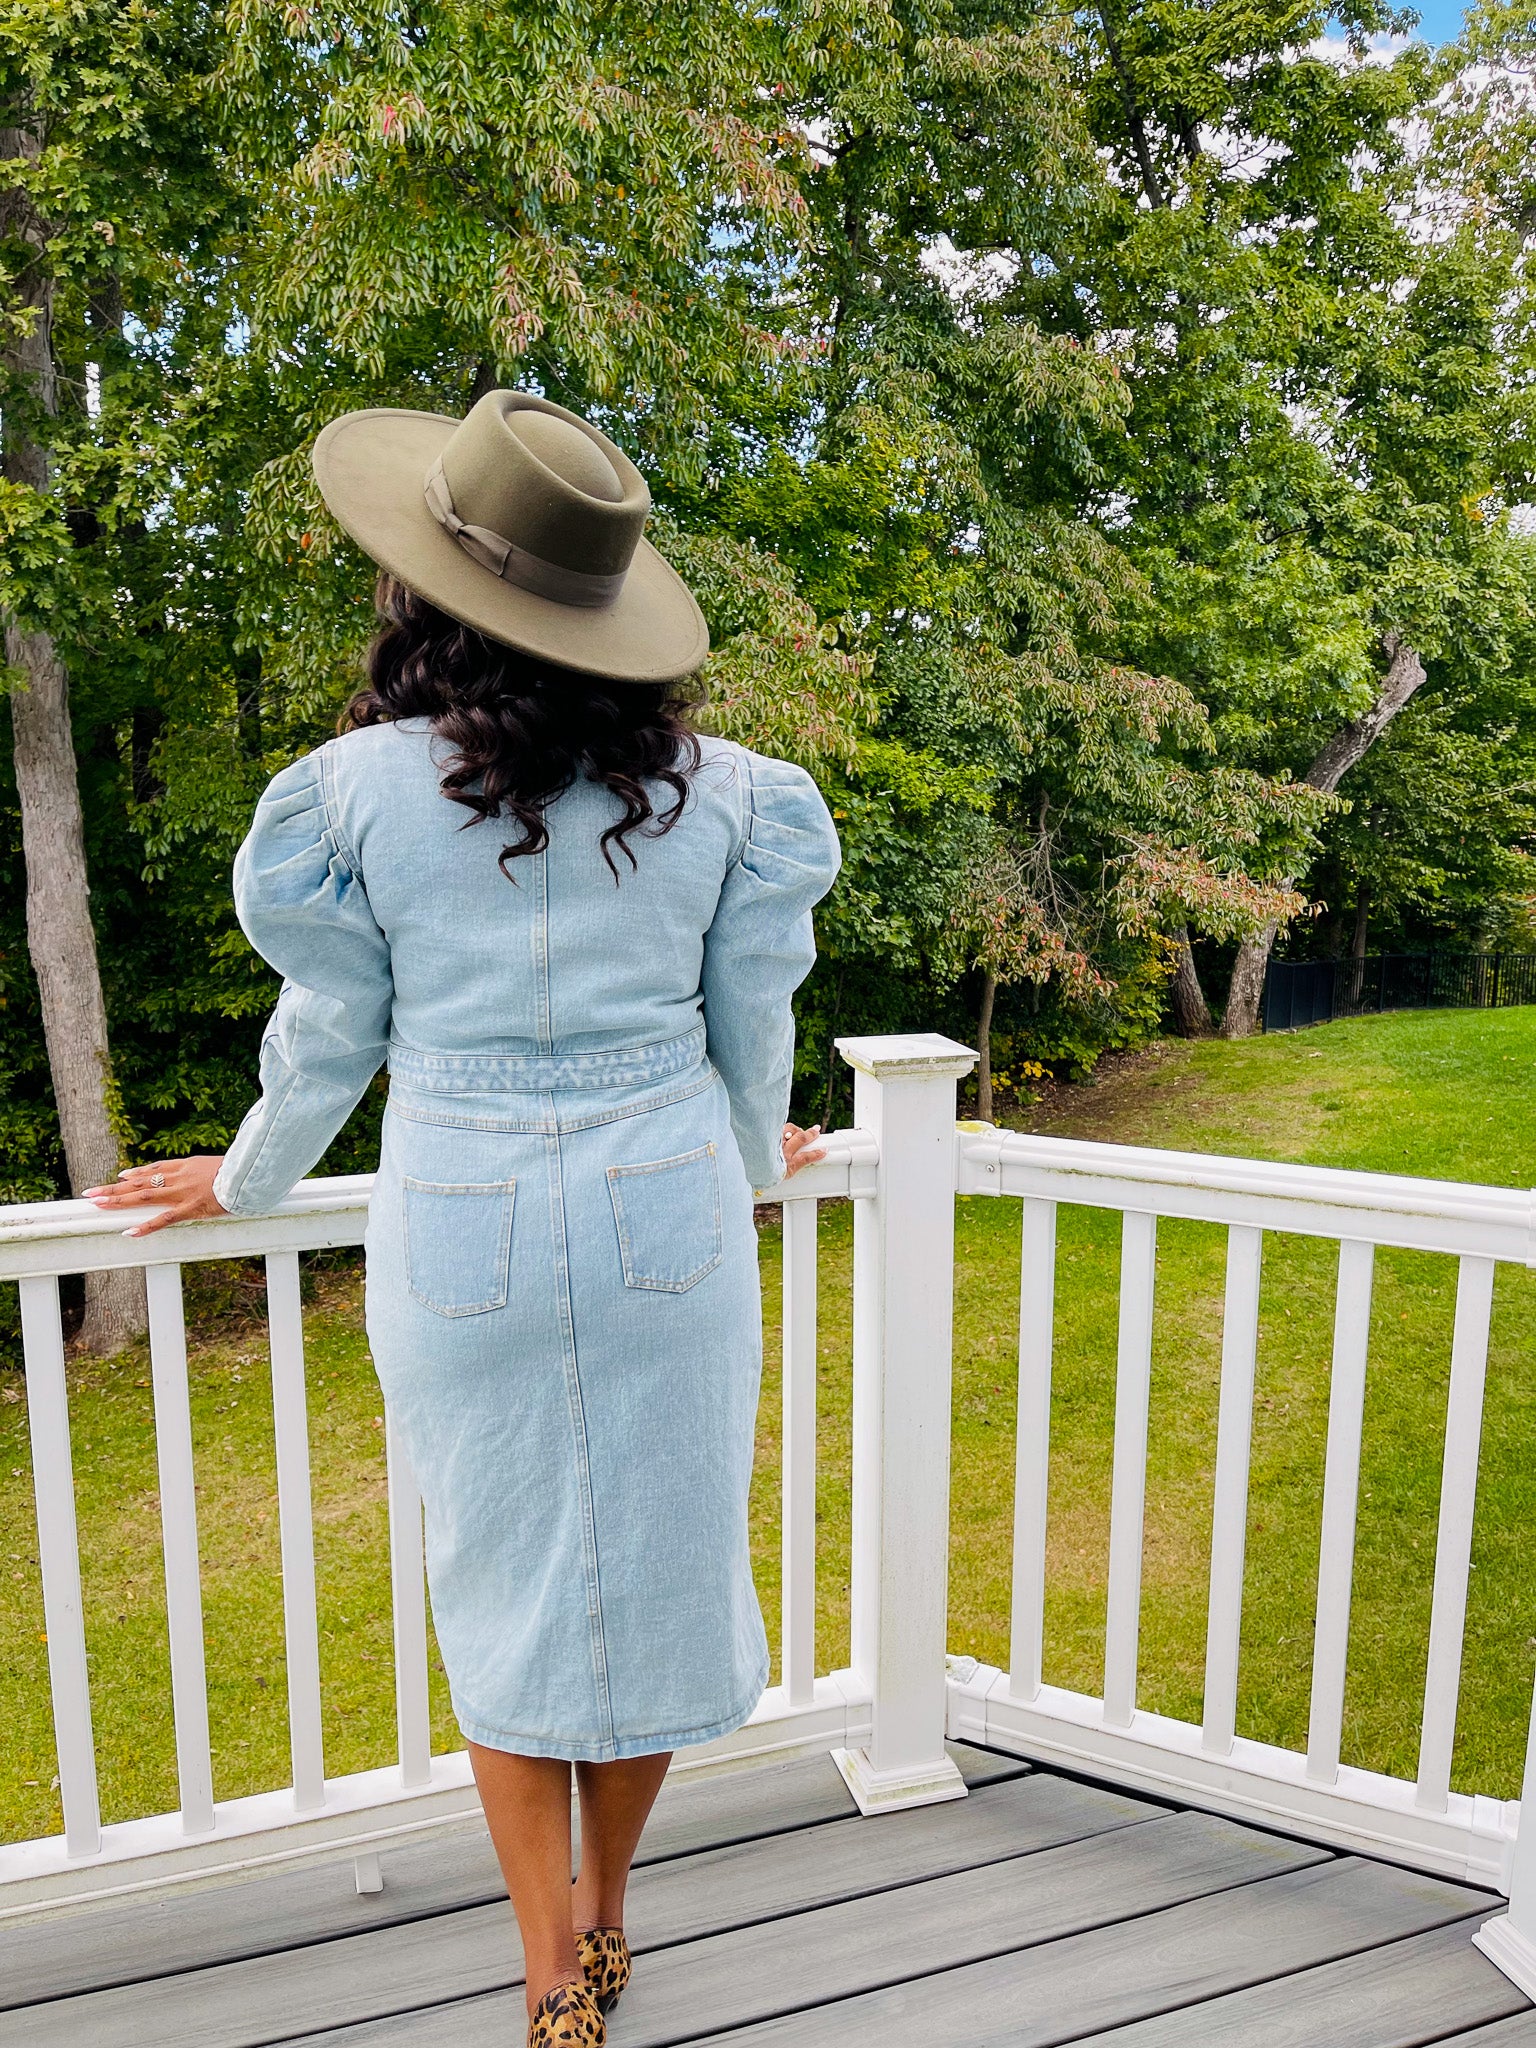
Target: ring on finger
{"type": "Point", "coordinates": [157, 1180]}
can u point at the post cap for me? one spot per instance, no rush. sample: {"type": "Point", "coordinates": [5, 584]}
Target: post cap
{"type": "Point", "coordinates": [925, 1054]}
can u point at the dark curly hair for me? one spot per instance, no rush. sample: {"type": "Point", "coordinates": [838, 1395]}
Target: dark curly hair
{"type": "Point", "coordinates": [523, 730]}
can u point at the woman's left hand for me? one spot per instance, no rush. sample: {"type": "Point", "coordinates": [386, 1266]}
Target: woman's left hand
{"type": "Point", "coordinates": [185, 1186]}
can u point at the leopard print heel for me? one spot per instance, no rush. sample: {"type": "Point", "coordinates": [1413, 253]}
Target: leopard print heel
{"type": "Point", "coordinates": [604, 1957]}
{"type": "Point", "coordinates": [567, 2016]}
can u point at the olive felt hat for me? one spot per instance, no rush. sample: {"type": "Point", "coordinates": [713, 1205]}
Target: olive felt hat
{"type": "Point", "coordinates": [521, 520]}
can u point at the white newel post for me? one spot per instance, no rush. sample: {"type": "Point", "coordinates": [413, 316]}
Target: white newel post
{"type": "Point", "coordinates": [1510, 1940]}
{"type": "Point", "coordinates": [903, 1293]}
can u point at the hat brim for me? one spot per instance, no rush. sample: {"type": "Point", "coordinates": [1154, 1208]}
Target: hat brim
{"type": "Point", "coordinates": [371, 468]}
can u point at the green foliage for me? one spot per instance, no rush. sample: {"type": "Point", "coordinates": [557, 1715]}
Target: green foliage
{"type": "Point", "coordinates": [1051, 414]}
{"type": "Point", "coordinates": [1316, 271]}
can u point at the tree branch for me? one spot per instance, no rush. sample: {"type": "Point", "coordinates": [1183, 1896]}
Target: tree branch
{"type": "Point", "coordinates": [1151, 183]}
{"type": "Point", "coordinates": [1405, 673]}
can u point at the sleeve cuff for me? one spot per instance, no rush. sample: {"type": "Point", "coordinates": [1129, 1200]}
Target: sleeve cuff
{"type": "Point", "coordinates": [229, 1185]}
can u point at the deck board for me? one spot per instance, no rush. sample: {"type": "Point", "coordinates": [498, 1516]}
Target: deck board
{"type": "Point", "coordinates": [766, 1913]}
{"type": "Point", "coordinates": [127, 1941]}
{"type": "Point", "coordinates": [1404, 1995]}
{"type": "Point", "coordinates": [716, 1982]}
{"type": "Point", "coordinates": [385, 1970]}
{"type": "Point", "coordinates": [1167, 1961]}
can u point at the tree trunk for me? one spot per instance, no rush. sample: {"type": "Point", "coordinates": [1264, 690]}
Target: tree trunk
{"type": "Point", "coordinates": [984, 1049]}
{"type": "Point", "coordinates": [1245, 997]}
{"type": "Point", "coordinates": [1362, 922]}
{"type": "Point", "coordinates": [1191, 1014]}
{"type": "Point", "coordinates": [1405, 673]}
{"type": "Point", "coordinates": [60, 938]}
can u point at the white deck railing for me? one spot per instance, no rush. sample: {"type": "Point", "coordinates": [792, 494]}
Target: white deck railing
{"type": "Point", "coordinates": [41, 1241]}
{"type": "Point", "coordinates": [887, 1716]}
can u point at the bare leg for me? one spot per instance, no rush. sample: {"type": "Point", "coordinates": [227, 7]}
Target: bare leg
{"type": "Point", "coordinates": [615, 1800]}
{"type": "Point", "coordinates": [527, 1801]}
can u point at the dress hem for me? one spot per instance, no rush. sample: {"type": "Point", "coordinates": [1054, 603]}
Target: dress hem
{"type": "Point", "coordinates": [567, 1749]}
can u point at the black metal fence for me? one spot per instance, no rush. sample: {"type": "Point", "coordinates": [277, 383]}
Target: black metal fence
{"type": "Point", "coordinates": [1298, 992]}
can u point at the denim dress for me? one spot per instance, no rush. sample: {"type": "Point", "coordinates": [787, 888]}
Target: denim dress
{"type": "Point", "coordinates": [587, 1079]}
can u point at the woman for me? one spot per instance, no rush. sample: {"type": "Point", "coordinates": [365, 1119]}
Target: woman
{"type": "Point", "coordinates": [573, 928]}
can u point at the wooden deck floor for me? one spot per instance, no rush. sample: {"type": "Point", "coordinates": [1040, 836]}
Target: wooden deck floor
{"type": "Point", "coordinates": [767, 1914]}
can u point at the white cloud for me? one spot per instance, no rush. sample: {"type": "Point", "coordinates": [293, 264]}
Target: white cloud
{"type": "Point", "coordinates": [1337, 49]}
{"type": "Point", "coordinates": [966, 274]}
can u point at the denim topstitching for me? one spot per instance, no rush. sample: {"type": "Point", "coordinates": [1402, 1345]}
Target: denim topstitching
{"type": "Point", "coordinates": [543, 1127]}
{"type": "Point", "coordinates": [331, 805]}
{"type": "Point", "coordinates": [578, 1417]}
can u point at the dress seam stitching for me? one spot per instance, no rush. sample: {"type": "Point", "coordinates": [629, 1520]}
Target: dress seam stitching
{"type": "Point", "coordinates": [538, 1127]}
{"type": "Point", "coordinates": [604, 1057]}
{"type": "Point", "coordinates": [579, 1444]}
{"type": "Point", "coordinates": [541, 963]}
{"type": "Point", "coordinates": [748, 812]}
{"type": "Point", "coordinates": [332, 808]}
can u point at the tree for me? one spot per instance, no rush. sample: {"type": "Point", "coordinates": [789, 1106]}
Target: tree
{"type": "Point", "coordinates": [1330, 403]}
{"type": "Point", "coordinates": [96, 177]}
{"type": "Point", "coordinates": [936, 518]}
{"type": "Point", "coordinates": [1012, 923]}
{"type": "Point", "coordinates": [1432, 846]}
{"type": "Point", "coordinates": [1186, 998]}
{"type": "Point", "coordinates": [60, 937]}
{"type": "Point", "coordinates": [1057, 417]}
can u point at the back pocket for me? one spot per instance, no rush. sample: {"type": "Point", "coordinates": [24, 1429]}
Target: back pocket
{"type": "Point", "coordinates": [668, 1217]}
{"type": "Point", "coordinates": [458, 1244]}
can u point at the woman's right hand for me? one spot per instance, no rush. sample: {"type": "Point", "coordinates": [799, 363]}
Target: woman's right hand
{"type": "Point", "coordinates": [800, 1148]}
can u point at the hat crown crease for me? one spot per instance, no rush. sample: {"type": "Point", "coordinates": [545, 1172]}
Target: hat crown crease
{"type": "Point", "coordinates": [566, 451]}
{"type": "Point", "coordinates": [540, 499]}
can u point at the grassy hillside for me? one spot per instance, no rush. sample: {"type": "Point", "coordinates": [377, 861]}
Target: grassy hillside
{"type": "Point", "coordinates": [1444, 1094]}
{"type": "Point", "coordinates": [1447, 1093]}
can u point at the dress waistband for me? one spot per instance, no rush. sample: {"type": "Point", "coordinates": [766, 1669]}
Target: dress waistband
{"type": "Point", "coordinates": [491, 1073]}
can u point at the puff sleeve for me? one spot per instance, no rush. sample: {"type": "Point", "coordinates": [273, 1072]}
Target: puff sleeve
{"type": "Point", "coordinates": [300, 899]}
{"type": "Point", "coordinates": [759, 949]}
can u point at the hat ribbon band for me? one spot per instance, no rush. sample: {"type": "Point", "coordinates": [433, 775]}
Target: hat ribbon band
{"type": "Point", "coordinates": [513, 564]}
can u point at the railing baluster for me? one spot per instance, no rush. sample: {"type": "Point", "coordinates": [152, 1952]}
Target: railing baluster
{"type": "Point", "coordinates": [1229, 1508]}
{"type": "Point", "coordinates": [295, 1517]}
{"type": "Point", "coordinates": [1032, 1447]}
{"type": "Point", "coordinates": [1453, 1544]}
{"type": "Point", "coordinates": [798, 1551]}
{"type": "Point", "coordinates": [1341, 1491]}
{"type": "Point", "coordinates": [408, 1590]}
{"type": "Point", "coordinates": [58, 1551]}
{"type": "Point", "coordinates": [903, 1349]}
{"type": "Point", "coordinates": [1133, 1386]}
{"type": "Point", "coordinates": [178, 1530]}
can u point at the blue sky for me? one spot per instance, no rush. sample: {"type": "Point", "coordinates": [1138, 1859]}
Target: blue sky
{"type": "Point", "coordinates": [1439, 19]}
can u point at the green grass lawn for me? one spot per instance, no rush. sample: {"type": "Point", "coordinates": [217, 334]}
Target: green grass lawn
{"type": "Point", "coordinates": [1446, 1094]}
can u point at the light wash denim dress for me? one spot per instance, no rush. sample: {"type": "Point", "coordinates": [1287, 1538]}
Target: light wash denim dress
{"type": "Point", "coordinates": [588, 1078]}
